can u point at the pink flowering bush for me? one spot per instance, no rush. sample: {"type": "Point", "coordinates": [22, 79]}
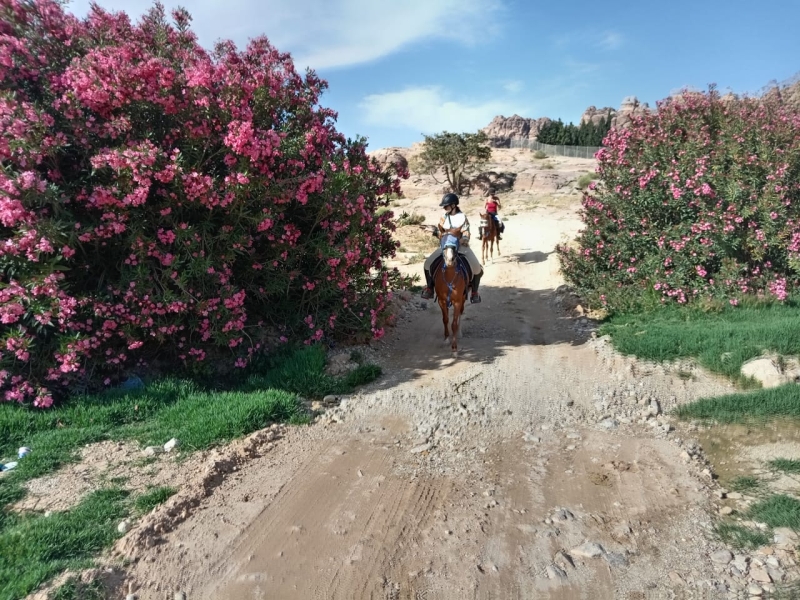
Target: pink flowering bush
{"type": "Point", "coordinates": [159, 202]}
{"type": "Point", "coordinates": [700, 199]}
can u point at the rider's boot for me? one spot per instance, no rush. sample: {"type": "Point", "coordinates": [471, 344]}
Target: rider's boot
{"type": "Point", "coordinates": [480, 233]}
{"type": "Point", "coordinates": [476, 281]}
{"type": "Point", "coordinates": [427, 293]}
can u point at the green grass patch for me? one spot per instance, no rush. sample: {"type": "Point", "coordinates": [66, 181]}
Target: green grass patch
{"type": "Point", "coordinates": [739, 536]}
{"type": "Point", "coordinates": [74, 589]}
{"type": "Point", "coordinates": [721, 340]}
{"type": "Point", "coordinates": [777, 511]}
{"type": "Point", "coordinates": [146, 502]}
{"type": "Point", "coordinates": [34, 549]}
{"type": "Point", "coordinates": [585, 179]}
{"type": "Point", "coordinates": [785, 465]}
{"type": "Point", "coordinates": [201, 415]}
{"type": "Point", "coordinates": [745, 407]}
{"type": "Point", "coordinates": [744, 484]}
{"type": "Point", "coordinates": [304, 373]}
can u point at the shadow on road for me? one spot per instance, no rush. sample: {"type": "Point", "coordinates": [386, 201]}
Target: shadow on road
{"type": "Point", "coordinates": [508, 318]}
{"type": "Point", "coordinates": [530, 258]}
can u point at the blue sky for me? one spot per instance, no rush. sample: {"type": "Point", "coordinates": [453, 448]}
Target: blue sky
{"type": "Point", "coordinates": [403, 68]}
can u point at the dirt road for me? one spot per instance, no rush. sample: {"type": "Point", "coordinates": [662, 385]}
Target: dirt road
{"type": "Point", "coordinates": [521, 468]}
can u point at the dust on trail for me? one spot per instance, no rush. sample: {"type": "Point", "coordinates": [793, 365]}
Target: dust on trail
{"type": "Point", "coordinates": [481, 475]}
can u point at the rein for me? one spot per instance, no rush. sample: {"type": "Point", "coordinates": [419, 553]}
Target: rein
{"type": "Point", "coordinates": [451, 284]}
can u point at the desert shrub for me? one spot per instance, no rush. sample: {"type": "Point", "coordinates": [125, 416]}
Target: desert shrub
{"type": "Point", "coordinates": [539, 154]}
{"type": "Point", "coordinates": [162, 202]}
{"type": "Point", "coordinates": [585, 179]}
{"type": "Point", "coordinates": [699, 199]}
{"type": "Point", "coordinates": [410, 219]}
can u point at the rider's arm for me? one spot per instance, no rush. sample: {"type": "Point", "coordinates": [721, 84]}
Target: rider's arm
{"type": "Point", "coordinates": [465, 230]}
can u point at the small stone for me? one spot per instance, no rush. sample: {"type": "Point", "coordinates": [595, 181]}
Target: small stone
{"type": "Point", "coordinates": [124, 526]}
{"type": "Point", "coordinates": [760, 575]}
{"type": "Point", "coordinates": [755, 590]}
{"type": "Point", "coordinates": [563, 560]}
{"type": "Point", "coordinates": [609, 424]}
{"type": "Point", "coordinates": [726, 510]}
{"type": "Point", "coordinates": [360, 473]}
{"type": "Point", "coordinates": [735, 496]}
{"type": "Point", "coordinates": [130, 597]}
{"type": "Point", "coordinates": [616, 559]}
{"type": "Point", "coordinates": [655, 407]}
{"type": "Point", "coordinates": [421, 448]}
{"type": "Point", "coordinates": [554, 572]}
{"type": "Point", "coordinates": [330, 400]}
{"type": "Point", "coordinates": [722, 557]}
{"type": "Point", "coordinates": [152, 450]}
{"type": "Point", "coordinates": [686, 456]}
{"type": "Point", "coordinates": [171, 445]}
{"type": "Point", "coordinates": [588, 550]}
{"type": "Point", "coordinates": [675, 578]}
{"type": "Point", "coordinates": [773, 562]}
{"type": "Point", "coordinates": [563, 515]}
{"type": "Point", "coordinates": [180, 596]}
{"type": "Point", "coordinates": [785, 536]}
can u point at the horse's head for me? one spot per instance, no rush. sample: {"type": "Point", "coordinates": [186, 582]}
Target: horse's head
{"type": "Point", "coordinates": [484, 219]}
{"type": "Point", "coordinates": [449, 249]}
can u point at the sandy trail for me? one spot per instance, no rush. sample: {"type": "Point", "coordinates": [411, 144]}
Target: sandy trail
{"type": "Point", "coordinates": [474, 476]}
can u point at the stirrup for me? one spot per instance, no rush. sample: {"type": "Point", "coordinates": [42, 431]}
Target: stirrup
{"type": "Point", "coordinates": [427, 293]}
{"type": "Point", "coordinates": [475, 299]}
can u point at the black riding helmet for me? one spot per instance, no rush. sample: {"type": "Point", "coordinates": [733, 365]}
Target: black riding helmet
{"type": "Point", "coordinates": [449, 199]}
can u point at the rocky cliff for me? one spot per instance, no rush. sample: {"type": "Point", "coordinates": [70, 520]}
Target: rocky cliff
{"type": "Point", "coordinates": [504, 129]}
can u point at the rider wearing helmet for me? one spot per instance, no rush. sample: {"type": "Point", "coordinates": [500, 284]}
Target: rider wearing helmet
{"type": "Point", "coordinates": [456, 223]}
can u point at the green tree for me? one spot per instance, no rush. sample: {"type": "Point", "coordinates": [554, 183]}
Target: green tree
{"type": "Point", "coordinates": [458, 155]}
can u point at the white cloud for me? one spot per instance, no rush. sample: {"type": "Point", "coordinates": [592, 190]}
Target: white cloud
{"type": "Point", "coordinates": [606, 40]}
{"type": "Point", "coordinates": [610, 40]}
{"type": "Point", "coordinates": [329, 33]}
{"type": "Point", "coordinates": [430, 110]}
{"type": "Point", "coordinates": [514, 86]}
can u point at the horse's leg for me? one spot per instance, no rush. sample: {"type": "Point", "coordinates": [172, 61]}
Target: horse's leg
{"type": "Point", "coordinates": [498, 243]}
{"type": "Point", "coordinates": [457, 310]}
{"type": "Point", "coordinates": [443, 306]}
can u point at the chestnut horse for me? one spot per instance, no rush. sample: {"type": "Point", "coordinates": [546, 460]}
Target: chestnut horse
{"type": "Point", "coordinates": [491, 235]}
{"type": "Point", "coordinates": [450, 283]}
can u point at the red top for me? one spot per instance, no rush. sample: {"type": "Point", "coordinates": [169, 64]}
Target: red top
{"type": "Point", "coordinates": [491, 206]}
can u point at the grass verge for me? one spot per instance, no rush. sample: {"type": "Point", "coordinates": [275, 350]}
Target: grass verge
{"type": "Point", "coordinates": [35, 548]}
{"type": "Point", "coordinates": [721, 340]}
{"type": "Point", "coordinates": [739, 536]}
{"type": "Point", "coordinates": [779, 510]}
{"type": "Point", "coordinates": [791, 467]}
{"type": "Point", "coordinates": [146, 502]}
{"type": "Point", "coordinates": [759, 405]}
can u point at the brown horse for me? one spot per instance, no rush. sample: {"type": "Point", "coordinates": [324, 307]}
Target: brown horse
{"type": "Point", "coordinates": [491, 236]}
{"type": "Point", "coordinates": [450, 283]}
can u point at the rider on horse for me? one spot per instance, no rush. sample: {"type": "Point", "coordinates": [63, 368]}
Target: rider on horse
{"type": "Point", "coordinates": [455, 223]}
{"type": "Point", "coordinates": [492, 206]}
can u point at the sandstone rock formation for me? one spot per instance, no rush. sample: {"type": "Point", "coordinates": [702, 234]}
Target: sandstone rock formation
{"type": "Point", "coordinates": [630, 107]}
{"type": "Point", "coordinates": [387, 156]}
{"type": "Point", "coordinates": [504, 129]}
{"type": "Point", "coordinates": [595, 115]}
